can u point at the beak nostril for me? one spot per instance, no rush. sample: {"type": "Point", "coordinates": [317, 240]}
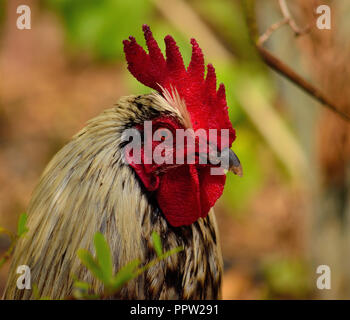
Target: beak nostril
{"type": "Point", "coordinates": [234, 164]}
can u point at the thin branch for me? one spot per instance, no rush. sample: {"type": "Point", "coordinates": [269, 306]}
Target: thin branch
{"type": "Point", "coordinates": [276, 64]}
{"type": "Point", "coordinates": [266, 35]}
{"type": "Point", "coordinates": [290, 74]}
{"type": "Point", "coordinates": [286, 14]}
{"type": "Point", "coordinates": [287, 19]}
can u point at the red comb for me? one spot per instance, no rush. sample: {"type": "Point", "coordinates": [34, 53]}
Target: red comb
{"type": "Point", "coordinates": [206, 105]}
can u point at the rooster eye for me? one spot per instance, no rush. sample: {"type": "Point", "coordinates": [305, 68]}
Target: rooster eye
{"type": "Point", "coordinates": [163, 134]}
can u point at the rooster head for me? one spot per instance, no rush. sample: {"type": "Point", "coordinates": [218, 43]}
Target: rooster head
{"type": "Point", "coordinates": [185, 190]}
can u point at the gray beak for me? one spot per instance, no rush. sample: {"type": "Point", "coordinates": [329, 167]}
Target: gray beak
{"type": "Point", "coordinates": [235, 164]}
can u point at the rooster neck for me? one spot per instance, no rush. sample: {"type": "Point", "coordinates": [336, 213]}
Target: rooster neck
{"type": "Point", "coordinates": [194, 273]}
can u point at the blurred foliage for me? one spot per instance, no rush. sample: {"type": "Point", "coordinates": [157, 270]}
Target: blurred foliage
{"type": "Point", "coordinates": [248, 144]}
{"type": "Point", "coordinates": [21, 231]}
{"type": "Point", "coordinates": [286, 277]}
{"type": "Point", "coordinates": [97, 26]}
{"type": "Point", "coordinates": [238, 190]}
{"type": "Point", "coordinates": [227, 17]}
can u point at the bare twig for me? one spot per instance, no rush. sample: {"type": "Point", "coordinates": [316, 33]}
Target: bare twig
{"type": "Point", "coordinates": [286, 13]}
{"type": "Point", "coordinates": [276, 64]}
{"type": "Point", "coordinates": [287, 19]}
{"type": "Point", "coordinates": [290, 74]}
{"type": "Point", "coordinates": [266, 35]}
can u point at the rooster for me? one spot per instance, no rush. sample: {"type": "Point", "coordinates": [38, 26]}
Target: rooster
{"type": "Point", "coordinates": [91, 185]}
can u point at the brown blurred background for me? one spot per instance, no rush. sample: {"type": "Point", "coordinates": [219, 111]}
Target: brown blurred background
{"type": "Point", "coordinates": [290, 211]}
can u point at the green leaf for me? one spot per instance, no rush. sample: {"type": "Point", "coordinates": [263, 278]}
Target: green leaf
{"type": "Point", "coordinates": [157, 243]}
{"type": "Point", "coordinates": [35, 291]}
{"type": "Point", "coordinates": [88, 260]}
{"type": "Point", "coordinates": [125, 274]}
{"type": "Point", "coordinates": [21, 228]}
{"type": "Point", "coordinates": [171, 252]}
{"type": "Point", "coordinates": [84, 286]}
{"type": "Point", "coordinates": [103, 256]}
